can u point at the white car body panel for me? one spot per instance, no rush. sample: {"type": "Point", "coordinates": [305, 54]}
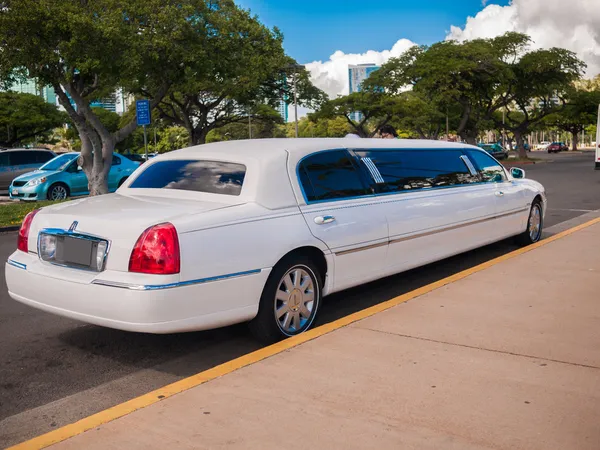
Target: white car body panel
{"type": "Point", "coordinates": [229, 244]}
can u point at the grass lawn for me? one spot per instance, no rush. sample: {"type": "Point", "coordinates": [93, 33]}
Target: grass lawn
{"type": "Point", "coordinates": [14, 213]}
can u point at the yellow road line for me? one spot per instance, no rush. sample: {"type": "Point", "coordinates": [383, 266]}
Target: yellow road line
{"type": "Point", "coordinates": [148, 399]}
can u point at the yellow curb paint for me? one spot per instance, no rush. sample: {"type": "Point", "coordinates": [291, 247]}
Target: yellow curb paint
{"type": "Point", "coordinates": [150, 398]}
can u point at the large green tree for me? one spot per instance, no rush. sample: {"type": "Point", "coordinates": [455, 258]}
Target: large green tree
{"type": "Point", "coordinates": [580, 111]}
{"type": "Point", "coordinates": [538, 87]}
{"type": "Point", "coordinates": [462, 78]}
{"type": "Point", "coordinates": [263, 122]}
{"type": "Point", "coordinates": [86, 49]}
{"type": "Point", "coordinates": [26, 118]}
{"type": "Point", "coordinates": [365, 112]}
{"type": "Point", "coordinates": [235, 71]}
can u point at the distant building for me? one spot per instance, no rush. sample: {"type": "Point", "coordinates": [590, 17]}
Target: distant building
{"type": "Point", "coordinates": [356, 75]}
{"type": "Point", "coordinates": [116, 102]}
{"type": "Point", "coordinates": [31, 86]}
{"type": "Point", "coordinates": [282, 106]}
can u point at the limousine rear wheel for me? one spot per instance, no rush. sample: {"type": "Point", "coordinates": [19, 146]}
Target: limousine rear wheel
{"type": "Point", "coordinates": [290, 300]}
{"type": "Point", "coordinates": [535, 223]}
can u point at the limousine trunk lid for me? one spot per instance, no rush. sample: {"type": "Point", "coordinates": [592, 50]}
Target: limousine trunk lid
{"type": "Point", "coordinates": [119, 219]}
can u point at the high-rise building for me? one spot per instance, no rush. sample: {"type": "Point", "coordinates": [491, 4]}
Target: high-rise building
{"type": "Point", "coordinates": [356, 75]}
{"type": "Point", "coordinates": [31, 86]}
{"type": "Point", "coordinates": [282, 108]}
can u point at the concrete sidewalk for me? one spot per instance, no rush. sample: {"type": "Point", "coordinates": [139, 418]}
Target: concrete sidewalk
{"type": "Point", "coordinates": [507, 358]}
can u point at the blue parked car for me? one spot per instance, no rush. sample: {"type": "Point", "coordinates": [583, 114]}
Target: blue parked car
{"type": "Point", "coordinates": [61, 177]}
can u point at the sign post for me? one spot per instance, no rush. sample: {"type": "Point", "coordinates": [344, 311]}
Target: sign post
{"type": "Point", "coordinates": [597, 153]}
{"type": "Point", "coordinates": [142, 109]}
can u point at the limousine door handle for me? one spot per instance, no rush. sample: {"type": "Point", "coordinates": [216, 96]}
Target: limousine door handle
{"type": "Point", "coordinates": [322, 220]}
{"type": "Point", "coordinates": [499, 194]}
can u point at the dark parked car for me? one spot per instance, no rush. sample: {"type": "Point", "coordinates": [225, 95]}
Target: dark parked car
{"type": "Point", "coordinates": [556, 147]}
{"type": "Point", "coordinates": [135, 157]}
{"type": "Point", "coordinates": [15, 162]}
{"type": "Point", "coordinates": [496, 150]}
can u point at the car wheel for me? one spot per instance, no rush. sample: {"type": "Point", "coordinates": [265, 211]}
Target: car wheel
{"type": "Point", "coordinates": [58, 192]}
{"type": "Point", "coordinates": [535, 224]}
{"type": "Point", "coordinates": [289, 302]}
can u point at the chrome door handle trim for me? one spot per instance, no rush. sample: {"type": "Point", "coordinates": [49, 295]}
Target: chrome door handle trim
{"type": "Point", "coordinates": [322, 220]}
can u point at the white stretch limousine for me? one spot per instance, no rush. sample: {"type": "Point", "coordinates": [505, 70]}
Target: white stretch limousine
{"type": "Point", "coordinates": [261, 230]}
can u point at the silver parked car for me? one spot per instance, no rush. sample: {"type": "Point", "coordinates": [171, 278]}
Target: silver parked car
{"type": "Point", "coordinates": [15, 162]}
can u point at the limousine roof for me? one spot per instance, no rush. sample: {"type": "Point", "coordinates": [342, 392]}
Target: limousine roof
{"type": "Point", "coordinates": [303, 146]}
{"type": "Point", "coordinates": [266, 183]}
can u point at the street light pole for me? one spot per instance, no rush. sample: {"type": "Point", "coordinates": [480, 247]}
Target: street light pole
{"type": "Point", "coordinates": [295, 68]}
{"type": "Point", "coordinates": [296, 103]}
{"type": "Point", "coordinates": [503, 128]}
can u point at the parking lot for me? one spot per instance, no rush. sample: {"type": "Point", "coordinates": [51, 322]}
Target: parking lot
{"type": "Point", "coordinates": [54, 370]}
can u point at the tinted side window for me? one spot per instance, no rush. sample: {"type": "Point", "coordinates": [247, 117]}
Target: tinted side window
{"type": "Point", "coordinates": [404, 170]}
{"type": "Point", "coordinates": [192, 175]}
{"type": "Point", "coordinates": [490, 170]}
{"type": "Point", "coordinates": [331, 175]}
{"type": "Point", "coordinates": [116, 160]}
{"type": "Point", "coordinates": [43, 157]}
{"type": "Point", "coordinates": [22, 158]}
{"type": "Point", "coordinates": [4, 160]}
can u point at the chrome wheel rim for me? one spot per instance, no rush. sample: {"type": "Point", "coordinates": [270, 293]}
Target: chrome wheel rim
{"type": "Point", "coordinates": [535, 223]}
{"type": "Point", "coordinates": [58, 193]}
{"type": "Point", "coordinates": [295, 301]}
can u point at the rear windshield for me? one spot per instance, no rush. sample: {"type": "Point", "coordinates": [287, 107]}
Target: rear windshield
{"type": "Point", "coordinates": [192, 175]}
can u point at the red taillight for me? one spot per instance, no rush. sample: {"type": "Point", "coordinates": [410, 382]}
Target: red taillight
{"type": "Point", "coordinates": [156, 251]}
{"type": "Point", "coordinates": [23, 239]}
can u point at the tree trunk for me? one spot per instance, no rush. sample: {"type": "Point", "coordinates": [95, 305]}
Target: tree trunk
{"type": "Point", "coordinates": [520, 145]}
{"type": "Point", "coordinates": [198, 136]}
{"type": "Point", "coordinates": [575, 140]}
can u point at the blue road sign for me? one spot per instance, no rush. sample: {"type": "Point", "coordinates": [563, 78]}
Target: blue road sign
{"type": "Point", "coordinates": [142, 108]}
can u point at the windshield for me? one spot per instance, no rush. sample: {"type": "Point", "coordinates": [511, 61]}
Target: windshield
{"type": "Point", "coordinates": [60, 162]}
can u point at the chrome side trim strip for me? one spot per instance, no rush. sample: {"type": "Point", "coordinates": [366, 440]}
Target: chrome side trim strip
{"type": "Point", "coordinates": [360, 249]}
{"type": "Point", "coordinates": [16, 264]}
{"type": "Point", "coordinates": [156, 287]}
{"type": "Point", "coordinates": [429, 233]}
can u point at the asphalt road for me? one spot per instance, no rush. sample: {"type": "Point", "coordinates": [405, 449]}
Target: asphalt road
{"type": "Point", "coordinates": [54, 371]}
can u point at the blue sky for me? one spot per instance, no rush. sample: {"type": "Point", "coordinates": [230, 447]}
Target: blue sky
{"type": "Point", "coordinates": [314, 29]}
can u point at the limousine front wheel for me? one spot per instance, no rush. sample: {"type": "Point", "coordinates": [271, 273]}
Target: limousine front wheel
{"type": "Point", "coordinates": [534, 225]}
{"type": "Point", "coordinates": [289, 302]}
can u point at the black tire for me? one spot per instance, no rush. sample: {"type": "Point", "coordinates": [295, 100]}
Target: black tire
{"type": "Point", "coordinates": [529, 237]}
{"type": "Point", "coordinates": [53, 192]}
{"type": "Point", "coordinates": [266, 327]}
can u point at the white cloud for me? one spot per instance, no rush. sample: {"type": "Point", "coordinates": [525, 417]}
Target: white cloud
{"type": "Point", "coordinates": [332, 76]}
{"type": "Point", "coordinates": [572, 24]}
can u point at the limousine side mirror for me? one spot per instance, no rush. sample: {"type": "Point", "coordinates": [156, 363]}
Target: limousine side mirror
{"type": "Point", "coordinates": [517, 173]}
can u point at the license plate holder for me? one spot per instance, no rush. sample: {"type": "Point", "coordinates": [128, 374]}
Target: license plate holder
{"type": "Point", "coordinates": [72, 250]}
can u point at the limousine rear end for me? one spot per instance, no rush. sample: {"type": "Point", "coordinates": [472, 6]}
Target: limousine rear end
{"type": "Point", "coordinates": [260, 231]}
